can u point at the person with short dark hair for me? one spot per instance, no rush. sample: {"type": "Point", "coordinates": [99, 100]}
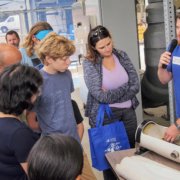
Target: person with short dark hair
{"type": "Point", "coordinates": [19, 89]}
{"type": "Point", "coordinates": [172, 71]}
{"type": "Point", "coordinates": [55, 157]}
{"type": "Point", "coordinates": [12, 38]}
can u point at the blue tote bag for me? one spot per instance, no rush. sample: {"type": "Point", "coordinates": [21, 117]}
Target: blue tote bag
{"type": "Point", "coordinates": [107, 138]}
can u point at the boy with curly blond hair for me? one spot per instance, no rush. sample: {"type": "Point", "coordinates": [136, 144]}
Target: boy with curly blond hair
{"type": "Point", "coordinates": [54, 107]}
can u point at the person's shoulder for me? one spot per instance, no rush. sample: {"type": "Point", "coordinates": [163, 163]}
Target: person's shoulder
{"type": "Point", "coordinates": [177, 49]}
{"type": "Point", "coordinates": [25, 58]}
{"type": "Point", "coordinates": [67, 73]}
{"type": "Point", "coordinates": [22, 50]}
{"type": "Point", "coordinates": [120, 52]}
{"type": "Point", "coordinates": [87, 62]}
{"type": "Point", "coordinates": [14, 124]}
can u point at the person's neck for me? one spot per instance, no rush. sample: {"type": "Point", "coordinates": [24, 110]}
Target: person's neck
{"type": "Point", "coordinates": [109, 62]}
{"type": "Point", "coordinates": [2, 115]}
{"type": "Point", "coordinates": [49, 70]}
{"type": "Point", "coordinates": [107, 58]}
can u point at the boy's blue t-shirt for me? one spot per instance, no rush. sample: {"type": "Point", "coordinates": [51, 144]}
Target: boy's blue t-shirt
{"type": "Point", "coordinates": [174, 67]}
{"type": "Point", "coordinates": [54, 107]}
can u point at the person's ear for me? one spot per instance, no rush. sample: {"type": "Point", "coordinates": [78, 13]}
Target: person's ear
{"type": "Point", "coordinates": [48, 59]}
{"type": "Point", "coordinates": [78, 177]}
{"type": "Point", "coordinates": [34, 39]}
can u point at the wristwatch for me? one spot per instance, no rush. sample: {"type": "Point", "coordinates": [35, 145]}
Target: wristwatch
{"type": "Point", "coordinates": [177, 125]}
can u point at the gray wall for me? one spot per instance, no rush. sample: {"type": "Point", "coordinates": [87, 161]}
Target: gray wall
{"type": "Point", "coordinates": [119, 16]}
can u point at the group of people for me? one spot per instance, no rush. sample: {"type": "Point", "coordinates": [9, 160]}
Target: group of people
{"type": "Point", "coordinates": [35, 80]}
{"type": "Point", "coordinates": [31, 89]}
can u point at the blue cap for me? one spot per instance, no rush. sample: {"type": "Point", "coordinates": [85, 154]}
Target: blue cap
{"type": "Point", "coordinates": [42, 34]}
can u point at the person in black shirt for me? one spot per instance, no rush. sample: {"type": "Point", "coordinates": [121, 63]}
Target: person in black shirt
{"type": "Point", "coordinates": [19, 88]}
{"type": "Point", "coordinates": [79, 119]}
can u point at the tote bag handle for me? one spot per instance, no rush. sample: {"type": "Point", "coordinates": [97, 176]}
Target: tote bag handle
{"type": "Point", "coordinates": [101, 111]}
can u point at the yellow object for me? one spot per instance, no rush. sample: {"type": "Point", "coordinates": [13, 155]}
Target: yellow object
{"type": "Point", "coordinates": [141, 30]}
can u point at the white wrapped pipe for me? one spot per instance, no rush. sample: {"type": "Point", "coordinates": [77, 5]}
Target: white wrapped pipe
{"type": "Point", "coordinates": [151, 138]}
{"type": "Point", "coordinates": [141, 168]}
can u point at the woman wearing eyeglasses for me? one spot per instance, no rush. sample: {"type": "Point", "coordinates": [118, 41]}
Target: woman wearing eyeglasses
{"type": "Point", "coordinates": [110, 78]}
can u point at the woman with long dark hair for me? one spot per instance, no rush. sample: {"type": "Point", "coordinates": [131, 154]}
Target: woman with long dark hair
{"type": "Point", "coordinates": [110, 78]}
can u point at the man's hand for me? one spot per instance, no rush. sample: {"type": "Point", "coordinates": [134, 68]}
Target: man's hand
{"type": "Point", "coordinates": [171, 133]}
{"type": "Point", "coordinates": [164, 59]}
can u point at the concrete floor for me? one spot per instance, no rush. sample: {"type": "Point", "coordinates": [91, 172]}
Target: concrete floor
{"type": "Point", "coordinates": [85, 141]}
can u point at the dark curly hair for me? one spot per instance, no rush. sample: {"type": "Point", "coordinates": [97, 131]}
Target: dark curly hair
{"type": "Point", "coordinates": [18, 83]}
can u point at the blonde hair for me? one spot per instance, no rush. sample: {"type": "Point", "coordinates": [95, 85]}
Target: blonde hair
{"type": "Point", "coordinates": [54, 46]}
{"type": "Point", "coordinates": [28, 42]}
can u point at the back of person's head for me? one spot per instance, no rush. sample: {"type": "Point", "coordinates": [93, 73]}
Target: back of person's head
{"type": "Point", "coordinates": [18, 84]}
{"type": "Point", "coordinates": [95, 35]}
{"type": "Point", "coordinates": [8, 55]}
{"type": "Point", "coordinates": [55, 157]}
{"type": "Point", "coordinates": [54, 46]}
{"type": "Point", "coordinates": [35, 29]}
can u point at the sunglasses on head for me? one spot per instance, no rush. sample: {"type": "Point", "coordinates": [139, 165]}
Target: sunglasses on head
{"type": "Point", "coordinates": [98, 32]}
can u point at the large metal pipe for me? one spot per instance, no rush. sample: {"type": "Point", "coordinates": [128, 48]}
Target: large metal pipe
{"type": "Point", "coordinates": [153, 92]}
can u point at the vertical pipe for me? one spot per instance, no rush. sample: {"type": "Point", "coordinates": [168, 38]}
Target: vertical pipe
{"type": "Point", "coordinates": [169, 21]}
